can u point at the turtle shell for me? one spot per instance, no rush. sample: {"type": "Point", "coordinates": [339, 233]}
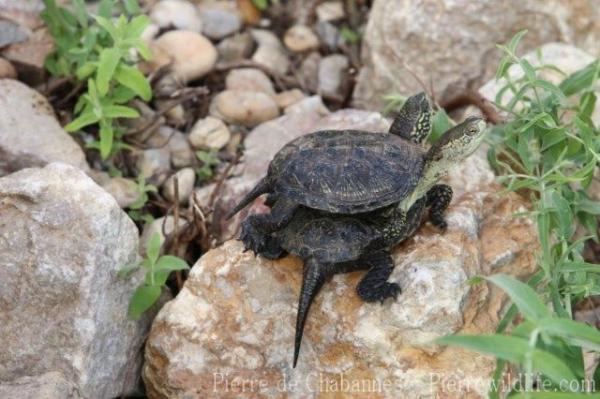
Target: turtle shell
{"type": "Point", "coordinates": [326, 238]}
{"type": "Point", "coordinates": [347, 171]}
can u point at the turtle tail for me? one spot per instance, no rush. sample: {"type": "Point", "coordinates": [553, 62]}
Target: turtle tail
{"type": "Point", "coordinates": [312, 281]}
{"type": "Point", "coordinates": [261, 187]}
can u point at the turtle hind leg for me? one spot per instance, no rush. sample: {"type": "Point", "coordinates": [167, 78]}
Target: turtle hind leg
{"type": "Point", "coordinates": [374, 285]}
{"type": "Point", "coordinates": [438, 199]}
{"type": "Point", "coordinates": [256, 229]}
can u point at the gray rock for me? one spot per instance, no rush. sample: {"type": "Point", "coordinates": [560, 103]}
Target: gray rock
{"type": "Point", "coordinates": [236, 47]}
{"type": "Point", "coordinates": [249, 79]}
{"type": "Point", "coordinates": [329, 34]}
{"type": "Point", "coordinates": [300, 38]}
{"type": "Point", "coordinates": [186, 178]}
{"type": "Point", "coordinates": [63, 240]}
{"type": "Point", "coordinates": [11, 33]}
{"type": "Point", "coordinates": [154, 164]}
{"type": "Point", "coordinates": [31, 135]}
{"type": "Point", "coordinates": [458, 49]}
{"type": "Point", "coordinates": [123, 190]}
{"type": "Point", "coordinates": [181, 152]}
{"type": "Point", "coordinates": [49, 385]}
{"type": "Point", "coordinates": [309, 71]}
{"type": "Point", "coordinates": [270, 52]}
{"type": "Point", "coordinates": [310, 105]}
{"type": "Point", "coordinates": [219, 22]}
{"type": "Point", "coordinates": [7, 70]}
{"type": "Point", "coordinates": [333, 76]}
{"type": "Point", "coordinates": [179, 14]}
{"type": "Point", "coordinates": [330, 11]}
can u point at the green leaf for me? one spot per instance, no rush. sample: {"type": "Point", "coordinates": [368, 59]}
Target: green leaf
{"type": "Point", "coordinates": [132, 7]}
{"type": "Point", "coordinates": [120, 111]}
{"type": "Point", "coordinates": [522, 295]}
{"type": "Point", "coordinates": [579, 80]}
{"type": "Point", "coordinates": [577, 333]}
{"type": "Point", "coordinates": [439, 125]}
{"type": "Point", "coordinates": [83, 120]}
{"type": "Point", "coordinates": [143, 298]}
{"type": "Point", "coordinates": [170, 263]}
{"type": "Point", "coordinates": [84, 71]}
{"type": "Point", "coordinates": [136, 27]}
{"type": "Point", "coordinates": [513, 349]}
{"type": "Point", "coordinates": [132, 78]}
{"type": "Point", "coordinates": [261, 4]}
{"type": "Point", "coordinates": [109, 60]}
{"type": "Point", "coordinates": [108, 26]}
{"type": "Point", "coordinates": [153, 249]}
{"type": "Point", "coordinates": [106, 139]}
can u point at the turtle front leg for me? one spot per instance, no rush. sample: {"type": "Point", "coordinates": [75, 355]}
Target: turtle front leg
{"type": "Point", "coordinates": [256, 229]}
{"type": "Point", "coordinates": [374, 285]}
{"type": "Point", "coordinates": [438, 199]}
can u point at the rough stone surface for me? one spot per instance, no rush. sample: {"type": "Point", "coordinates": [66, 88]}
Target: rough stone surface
{"type": "Point", "coordinates": [309, 71]}
{"type": "Point", "coordinates": [249, 79]}
{"type": "Point", "coordinates": [7, 70]}
{"type": "Point", "coordinates": [30, 134]}
{"type": "Point", "coordinates": [452, 42]}
{"type": "Point", "coordinates": [64, 309]}
{"type": "Point", "coordinates": [312, 104]}
{"type": "Point", "coordinates": [209, 133]}
{"type": "Point", "coordinates": [154, 164]}
{"type": "Point", "coordinates": [300, 38]}
{"type": "Point", "coordinates": [236, 47]}
{"type": "Point", "coordinates": [330, 11]}
{"type": "Point", "coordinates": [270, 52]}
{"type": "Point", "coordinates": [49, 385]}
{"type": "Point", "coordinates": [123, 190]}
{"type": "Point", "coordinates": [179, 14]}
{"type": "Point", "coordinates": [333, 77]}
{"type": "Point", "coordinates": [289, 97]}
{"type": "Point", "coordinates": [234, 319]}
{"type": "Point", "coordinates": [186, 178]}
{"type": "Point", "coordinates": [248, 108]}
{"type": "Point", "coordinates": [220, 20]}
{"type": "Point", "coordinates": [193, 55]}
{"type": "Point", "coordinates": [28, 56]}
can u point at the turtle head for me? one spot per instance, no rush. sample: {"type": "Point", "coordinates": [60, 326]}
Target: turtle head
{"type": "Point", "coordinates": [413, 121]}
{"type": "Point", "coordinates": [458, 142]}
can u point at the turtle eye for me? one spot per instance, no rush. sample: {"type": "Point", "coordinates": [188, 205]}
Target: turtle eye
{"type": "Point", "coordinates": [472, 131]}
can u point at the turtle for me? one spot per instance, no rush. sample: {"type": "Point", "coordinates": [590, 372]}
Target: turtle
{"type": "Point", "coordinates": [343, 171]}
{"type": "Point", "coordinates": [331, 243]}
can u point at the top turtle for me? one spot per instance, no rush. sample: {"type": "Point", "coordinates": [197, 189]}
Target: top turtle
{"type": "Point", "coordinates": [350, 171]}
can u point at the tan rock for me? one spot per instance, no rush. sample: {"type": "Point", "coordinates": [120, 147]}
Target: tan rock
{"type": "Point", "coordinates": [209, 133]}
{"type": "Point", "coordinates": [179, 14]}
{"type": "Point", "coordinates": [7, 70]}
{"type": "Point", "coordinates": [234, 319]}
{"type": "Point", "coordinates": [193, 55]}
{"type": "Point", "coordinates": [289, 97]}
{"type": "Point", "coordinates": [452, 42]}
{"type": "Point", "coordinates": [246, 108]}
{"type": "Point", "coordinates": [186, 178]}
{"type": "Point", "coordinates": [28, 57]}
{"type": "Point", "coordinates": [330, 11]}
{"type": "Point", "coordinates": [249, 79]}
{"type": "Point", "coordinates": [300, 38]}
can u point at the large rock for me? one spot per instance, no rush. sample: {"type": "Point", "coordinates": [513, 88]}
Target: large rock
{"type": "Point", "coordinates": [30, 134]}
{"type": "Point", "coordinates": [263, 142]}
{"type": "Point", "coordinates": [64, 310]}
{"type": "Point", "coordinates": [452, 42]}
{"type": "Point", "coordinates": [230, 331]}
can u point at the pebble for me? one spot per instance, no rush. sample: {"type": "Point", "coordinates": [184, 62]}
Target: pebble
{"type": "Point", "coordinates": [154, 164]}
{"type": "Point", "coordinates": [289, 97]}
{"type": "Point", "coordinates": [209, 133]}
{"type": "Point", "coordinates": [220, 22]}
{"type": "Point", "coordinates": [308, 105]}
{"type": "Point", "coordinates": [249, 79]}
{"type": "Point", "coordinates": [236, 47]}
{"type": "Point", "coordinates": [193, 55]}
{"type": "Point", "coordinates": [245, 108]}
{"type": "Point", "coordinates": [270, 52]}
{"type": "Point", "coordinates": [329, 34]}
{"type": "Point", "coordinates": [182, 154]}
{"type": "Point", "coordinates": [186, 179]}
{"type": "Point", "coordinates": [333, 79]}
{"type": "Point", "coordinates": [300, 38]}
{"type": "Point", "coordinates": [156, 226]}
{"type": "Point", "coordinates": [122, 189]}
{"type": "Point", "coordinates": [178, 14]}
{"type": "Point", "coordinates": [309, 71]}
{"type": "Point", "coordinates": [330, 11]}
{"type": "Point", "coordinates": [7, 70]}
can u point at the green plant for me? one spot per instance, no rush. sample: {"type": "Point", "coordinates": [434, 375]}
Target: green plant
{"type": "Point", "coordinates": [350, 35]}
{"type": "Point", "coordinates": [157, 272]}
{"type": "Point", "coordinates": [209, 160]}
{"type": "Point", "coordinates": [548, 150]}
{"type": "Point", "coordinates": [135, 209]}
{"type": "Point", "coordinates": [100, 53]}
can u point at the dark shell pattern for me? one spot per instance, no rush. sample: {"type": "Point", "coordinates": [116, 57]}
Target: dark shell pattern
{"type": "Point", "coordinates": [356, 171]}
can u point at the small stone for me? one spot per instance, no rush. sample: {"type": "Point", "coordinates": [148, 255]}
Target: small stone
{"type": "Point", "coordinates": [289, 97]}
{"type": "Point", "coordinates": [209, 133]}
{"type": "Point", "coordinates": [11, 33]}
{"type": "Point", "coordinates": [300, 38]}
{"type": "Point", "coordinates": [159, 58]}
{"type": "Point", "coordinates": [330, 11]}
{"type": "Point", "coordinates": [7, 70]}
{"type": "Point", "coordinates": [333, 79]}
{"type": "Point", "coordinates": [151, 31]}
{"type": "Point", "coordinates": [313, 104]}
{"type": "Point", "coordinates": [156, 226]}
{"type": "Point", "coordinates": [219, 22]}
{"type": "Point", "coordinates": [249, 79]}
{"type": "Point", "coordinates": [309, 71]}
{"type": "Point", "coordinates": [181, 152]}
{"type": "Point", "coordinates": [154, 164]}
{"type": "Point", "coordinates": [28, 57]}
{"type": "Point", "coordinates": [123, 190]}
{"type": "Point", "coordinates": [236, 47]}
{"type": "Point", "coordinates": [193, 55]}
{"type": "Point", "coordinates": [270, 52]}
{"type": "Point", "coordinates": [246, 108]}
{"type": "Point", "coordinates": [178, 14]}
{"type": "Point", "coordinates": [186, 179]}
{"type": "Point", "coordinates": [329, 34]}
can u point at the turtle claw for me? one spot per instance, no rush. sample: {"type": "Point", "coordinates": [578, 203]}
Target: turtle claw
{"type": "Point", "coordinates": [252, 238]}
